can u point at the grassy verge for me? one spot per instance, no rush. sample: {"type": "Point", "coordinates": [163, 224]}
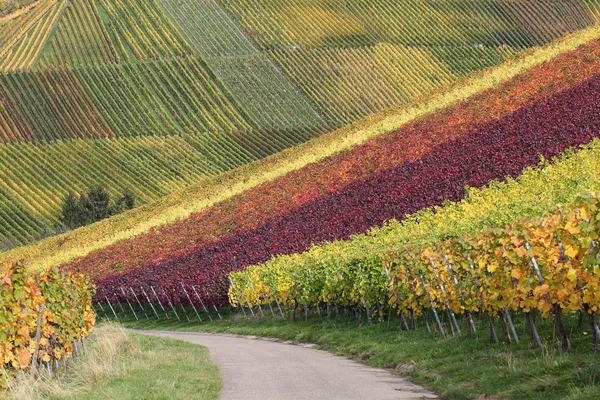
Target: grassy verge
{"type": "Point", "coordinates": [121, 365]}
{"type": "Point", "coordinates": [466, 367]}
{"type": "Point", "coordinates": [64, 248]}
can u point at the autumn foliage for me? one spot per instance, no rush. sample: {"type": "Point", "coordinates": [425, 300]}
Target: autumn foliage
{"type": "Point", "coordinates": [67, 314]}
{"type": "Point", "coordinates": [499, 149]}
{"type": "Point", "coordinates": [532, 264]}
{"type": "Point", "coordinates": [252, 209]}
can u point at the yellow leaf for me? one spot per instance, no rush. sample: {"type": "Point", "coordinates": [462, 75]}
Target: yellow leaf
{"type": "Point", "coordinates": [571, 251]}
{"type": "Point", "coordinates": [562, 295]}
{"type": "Point", "coordinates": [572, 275]}
{"type": "Point", "coordinates": [516, 273]}
{"type": "Point", "coordinates": [46, 358]}
{"type": "Point", "coordinates": [541, 290]}
{"type": "Point", "coordinates": [583, 214]}
{"type": "Point", "coordinates": [544, 306]}
{"type": "Point", "coordinates": [24, 358]}
{"type": "Point", "coordinates": [492, 268]}
{"type": "Point", "coordinates": [24, 331]}
{"type": "Point", "coordinates": [572, 229]}
{"type": "Point", "coordinates": [427, 253]}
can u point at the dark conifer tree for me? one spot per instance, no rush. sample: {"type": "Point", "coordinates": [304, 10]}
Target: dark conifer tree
{"type": "Point", "coordinates": [124, 203]}
{"type": "Point", "coordinates": [98, 203]}
{"type": "Point", "coordinates": [91, 207]}
{"type": "Point", "coordinates": [70, 212]}
{"type": "Point", "coordinates": [85, 211]}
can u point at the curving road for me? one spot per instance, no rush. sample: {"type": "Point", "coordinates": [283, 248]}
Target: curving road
{"type": "Point", "coordinates": [254, 369]}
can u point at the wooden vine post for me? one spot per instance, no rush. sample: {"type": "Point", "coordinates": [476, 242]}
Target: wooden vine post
{"type": "Point", "coordinates": [593, 323]}
{"type": "Point", "coordinates": [102, 308]}
{"type": "Point", "coordinates": [172, 307]}
{"type": "Point", "coordinates": [38, 337]}
{"type": "Point", "coordinates": [276, 302]}
{"type": "Point", "coordinates": [239, 297]}
{"type": "Point", "coordinates": [183, 308]}
{"type": "Point", "coordinates": [120, 305]}
{"type": "Point", "coordinates": [191, 302]}
{"type": "Point", "coordinates": [467, 313]}
{"type": "Point", "coordinates": [268, 299]}
{"type": "Point", "coordinates": [389, 280]}
{"type": "Point", "coordinates": [451, 315]}
{"type": "Point", "coordinates": [435, 314]}
{"type": "Point", "coordinates": [138, 301]}
{"type": "Point", "coordinates": [130, 306]}
{"type": "Point", "coordinates": [505, 317]}
{"type": "Point", "coordinates": [566, 343]}
{"type": "Point", "coordinates": [149, 302]}
{"type": "Point", "coordinates": [204, 306]}
{"type": "Point", "coordinates": [254, 290]}
{"type": "Point", "coordinates": [493, 334]}
{"type": "Point", "coordinates": [111, 307]}
{"type": "Point", "coordinates": [159, 302]}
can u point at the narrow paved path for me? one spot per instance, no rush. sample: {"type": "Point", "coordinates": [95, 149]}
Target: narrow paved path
{"type": "Point", "coordinates": [264, 370]}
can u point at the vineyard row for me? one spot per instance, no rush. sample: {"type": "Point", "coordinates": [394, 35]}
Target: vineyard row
{"type": "Point", "coordinates": [548, 264]}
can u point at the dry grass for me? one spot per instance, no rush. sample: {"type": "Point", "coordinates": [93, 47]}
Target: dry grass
{"type": "Point", "coordinates": [122, 365]}
{"type": "Point", "coordinates": [108, 348]}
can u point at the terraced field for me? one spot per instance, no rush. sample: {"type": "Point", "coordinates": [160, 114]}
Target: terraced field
{"type": "Point", "coordinates": [269, 96]}
{"type": "Point", "coordinates": [53, 105]}
{"type": "Point", "coordinates": [452, 23]}
{"type": "Point", "coordinates": [10, 10]}
{"type": "Point", "coordinates": [230, 82]}
{"type": "Point", "coordinates": [347, 82]}
{"type": "Point", "coordinates": [162, 97]}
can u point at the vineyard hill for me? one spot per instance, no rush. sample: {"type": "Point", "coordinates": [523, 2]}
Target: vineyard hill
{"type": "Point", "coordinates": [157, 95]}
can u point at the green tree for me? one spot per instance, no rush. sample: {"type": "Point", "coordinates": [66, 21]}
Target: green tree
{"type": "Point", "coordinates": [93, 206]}
{"type": "Point", "coordinates": [70, 215]}
{"type": "Point", "coordinates": [125, 202]}
{"type": "Point", "coordinates": [97, 204]}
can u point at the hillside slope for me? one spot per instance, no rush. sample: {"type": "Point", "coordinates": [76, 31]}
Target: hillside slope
{"type": "Point", "coordinates": [432, 171]}
{"type": "Point", "coordinates": [236, 81]}
{"type": "Point", "coordinates": [491, 135]}
{"type": "Point", "coordinates": [209, 192]}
